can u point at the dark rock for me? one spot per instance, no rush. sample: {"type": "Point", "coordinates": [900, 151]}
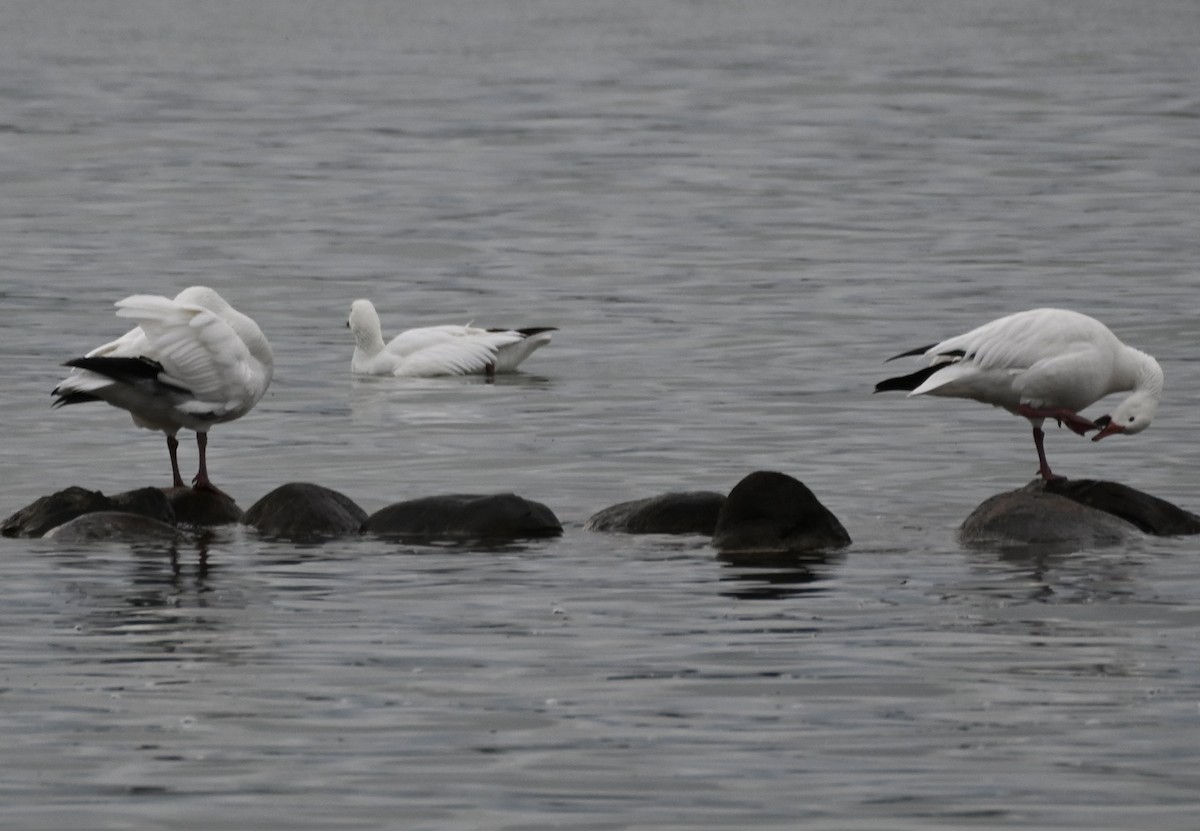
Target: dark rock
{"type": "Point", "coordinates": [1033, 516]}
{"type": "Point", "coordinates": [203, 508]}
{"type": "Point", "coordinates": [685, 512]}
{"type": "Point", "coordinates": [183, 505]}
{"type": "Point", "coordinates": [1076, 513]}
{"type": "Point", "coordinates": [304, 511]}
{"type": "Point", "coordinates": [114, 526]}
{"type": "Point", "coordinates": [769, 511]}
{"type": "Point", "coordinates": [452, 517]}
{"type": "Point", "coordinates": [147, 502]}
{"type": "Point", "coordinates": [1149, 513]}
{"type": "Point", "coordinates": [38, 517]}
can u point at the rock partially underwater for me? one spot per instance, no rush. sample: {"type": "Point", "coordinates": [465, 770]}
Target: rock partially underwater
{"type": "Point", "coordinates": [1152, 515]}
{"type": "Point", "coordinates": [765, 513]}
{"type": "Point", "coordinates": [115, 526]}
{"type": "Point", "coordinates": [169, 506]}
{"type": "Point", "coordinates": [203, 508]}
{"type": "Point", "coordinates": [681, 512]}
{"type": "Point", "coordinates": [302, 511]}
{"type": "Point", "coordinates": [1079, 513]}
{"type": "Point", "coordinates": [465, 517]}
{"type": "Point", "coordinates": [49, 512]}
{"type": "Point", "coordinates": [771, 512]}
{"type": "Point", "coordinates": [296, 511]}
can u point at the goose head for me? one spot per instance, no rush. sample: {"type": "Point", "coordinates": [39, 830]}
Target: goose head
{"type": "Point", "coordinates": [1135, 413]}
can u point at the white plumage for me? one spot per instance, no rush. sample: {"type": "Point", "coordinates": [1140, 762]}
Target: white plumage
{"type": "Point", "coordinates": [1042, 363]}
{"type": "Point", "coordinates": [437, 350]}
{"type": "Point", "coordinates": [191, 362]}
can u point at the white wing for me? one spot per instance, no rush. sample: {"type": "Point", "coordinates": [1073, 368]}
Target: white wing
{"type": "Point", "coordinates": [456, 355]}
{"type": "Point", "coordinates": [414, 340]}
{"type": "Point", "coordinates": [200, 352]}
{"type": "Point", "coordinates": [1021, 340]}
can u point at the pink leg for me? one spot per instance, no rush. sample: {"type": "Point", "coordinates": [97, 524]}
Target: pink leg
{"type": "Point", "coordinates": [1043, 465]}
{"type": "Point", "coordinates": [1073, 420]}
{"type": "Point", "coordinates": [173, 449]}
{"type": "Point", "coordinates": [201, 481]}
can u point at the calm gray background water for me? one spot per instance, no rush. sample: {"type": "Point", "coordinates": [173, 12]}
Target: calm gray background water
{"type": "Point", "coordinates": [734, 212]}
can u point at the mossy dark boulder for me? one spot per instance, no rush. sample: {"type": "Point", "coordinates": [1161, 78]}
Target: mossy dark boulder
{"type": "Point", "coordinates": [461, 517]}
{"type": "Point", "coordinates": [148, 502]}
{"type": "Point", "coordinates": [682, 512]}
{"type": "Point", "coordinates": [203, 508]}
{"type": "Point", "coordinates": [114, 526]}
{"type": "Point", "coordinates": [1149, 513]}
{"type": "Point", "coordinates": [303, 511]}
{"type": "Point", "coordinates": [772, 512]}
{"type": "Point", "coordinates": [48, 512]}
{"type": "Point", "coordinates": [1081, 513]}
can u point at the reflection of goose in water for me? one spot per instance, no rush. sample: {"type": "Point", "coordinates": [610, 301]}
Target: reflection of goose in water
{"type": "Point", "coordinates": [1042, 363]}
{"type": "Point", "coordinates": [191, 362]}
{"type": "Point", "coordinates": [438, 350]}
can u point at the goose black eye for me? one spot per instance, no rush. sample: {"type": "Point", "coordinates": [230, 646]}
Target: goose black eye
{"type": "Point", "coordinates": [1131, 419]}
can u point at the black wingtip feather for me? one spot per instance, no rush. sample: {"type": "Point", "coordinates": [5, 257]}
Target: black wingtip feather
{"type": "Point", "coordinates": [127, 370]}
{"type": "Point", "coordinates": [71, 398]}
{"type": "Point", "coordinates": [119, 369]}
{"type": "Point", "coordinates": [529, 333]}
{"type": "Point", "coordinates": [909, 382]}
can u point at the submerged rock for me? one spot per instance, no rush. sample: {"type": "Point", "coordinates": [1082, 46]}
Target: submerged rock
{"type": "Point", "coordinates": [147, 502]}
{"type": "Point", "coordinates": [684, 512]}
{"type": "Point", "coordinates": [1149, 513]}
{"type": "Point", "coordinates": [769, 511]}
{"type": "Point", "coordinates": [169, 506]}
{"type": "Point", "coordinates": [304, 511]}
{"type": "Point", "coordinates": [48, 512]}
{"type": "Point", "coordinates": [203, 508]}
{"type": "Point", "coordinates": [1075, 513]}
{"type": "Point", "coordinates": [457, 517]}
{"type": "Point", "coordinates": [114, 526]}
{"type": "Point", "coordinates": [1031, 516]}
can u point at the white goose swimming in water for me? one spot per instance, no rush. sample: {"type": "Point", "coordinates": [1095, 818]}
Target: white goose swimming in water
{"type": "Point", "coordinates": [438, 350]}
{"type": "Point", "coordinates": [1042, 363]}
{"type": "Point", "coordinates": [191, 362]}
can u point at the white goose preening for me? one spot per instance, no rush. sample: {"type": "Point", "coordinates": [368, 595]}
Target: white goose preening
{"type": "Point", "coordinates": [438, 350]}
{"type": "Point", "coordinates": [192, 362]}
{"type": "Point", "coordinates": [1042, 363]}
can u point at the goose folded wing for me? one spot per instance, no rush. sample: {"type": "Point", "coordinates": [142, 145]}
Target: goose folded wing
{"type": "Point", "coordinates": [197, 349]}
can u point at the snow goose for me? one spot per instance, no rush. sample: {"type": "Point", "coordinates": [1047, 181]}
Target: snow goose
{"type": "Point", "coordinates": [1042, 363]}
{"type": "Point", "coordinates": [190, 362]}
{"type": "Point", "coordinates": [438, 350]}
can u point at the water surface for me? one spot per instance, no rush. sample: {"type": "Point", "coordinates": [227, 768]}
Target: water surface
{"type": "Point", "coordinates": [733, 213]}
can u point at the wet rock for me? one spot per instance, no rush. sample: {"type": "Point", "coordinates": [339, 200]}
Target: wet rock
{"type": "Point", "coordinates": [684, 512]}
{"type": "Point", "coordinates": [114, 526]}
{"type": "Point", "coordinates": [770, 511]}
{"type": "Point", "coordinates": [183, 505]}
{"type": "Point", "coordinates": [1149, 513]}
{"type": "Point", "coordinates": [456, 517]}
{"type": "Point", "coordinates": [47, 512]}
{"type": "Point", "coordinates": [304, 511]}
{"type": "Point", "coordinates": [203, 508]}
{"type": "Point", "coordinates": [147, 502]}
{"type": "Point", "coordinates": [1033, 516]}
{"type": "Point", "coordinates": [1078, 513]}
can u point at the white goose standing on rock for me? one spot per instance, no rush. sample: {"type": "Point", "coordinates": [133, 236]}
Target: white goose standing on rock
{"type": "Point", "coordinates": [191, 362]}
{"type": "Point", "coordinates": [432, 351]}
{"type": "Point", "coordinates": [1040, 364]}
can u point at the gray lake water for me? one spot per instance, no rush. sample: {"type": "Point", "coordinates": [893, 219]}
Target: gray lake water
{"type": "Point", "coordinates": [734, 212]}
